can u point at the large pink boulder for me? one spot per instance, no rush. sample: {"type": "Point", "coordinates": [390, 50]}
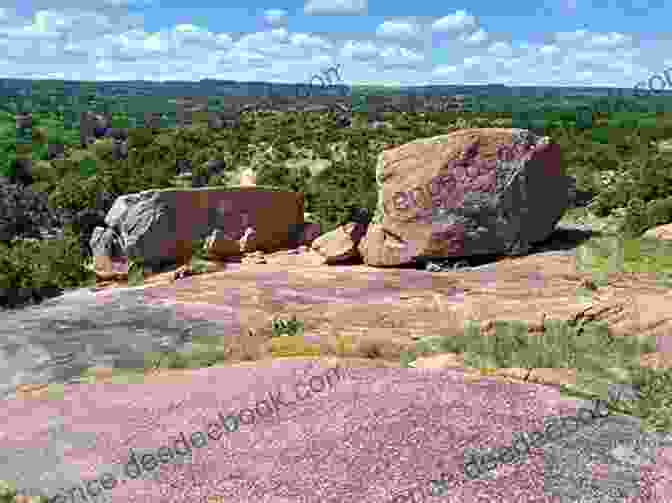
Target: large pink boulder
{"type": "Point", "coordinates": [471, 192]}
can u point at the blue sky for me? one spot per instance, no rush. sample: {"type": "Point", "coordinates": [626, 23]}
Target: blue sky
{"type": "Point", "coordinates": [608, 43]}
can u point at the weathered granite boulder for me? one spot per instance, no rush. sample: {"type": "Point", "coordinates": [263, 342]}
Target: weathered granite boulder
{"type": "Point", "coordinates": [340, 244]}
{"type": "Point", "coordinates": [471, 192]}
{"type": "Point", "coordinates": [105, 242]}
{"type": "Point", "coordinates": [160, 225]}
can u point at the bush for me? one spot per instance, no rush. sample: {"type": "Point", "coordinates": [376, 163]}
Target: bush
{"type": "Point", "coordinates": [23, 212]}
{"type": "Point", "coordinates": [641, 216]}
{"type": "Point", "coordinates": [659, 212]}
{"type": "Point", "coordinates": [643, 175]}
{"type": "Point", "coordinates": [75, 192]}
{"type": "Point", "coordinates": [31, 269]}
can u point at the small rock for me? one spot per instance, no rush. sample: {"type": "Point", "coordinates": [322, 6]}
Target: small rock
{"type": "Point", "coordinates": [341, 243]}
{"type": "Point", "coordinates": [183, 272]}
{"type": "Point", "coordinates": [256, 257]}
{"type": "Point", "coordinates": [663, 232]}
{"type": "Point", "coordinates": [248, 241]}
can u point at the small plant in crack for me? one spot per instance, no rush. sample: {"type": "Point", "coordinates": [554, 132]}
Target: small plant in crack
{"type": "Point", "coordinates": [136, 270]}
{"type": "Point", "coordinates": [10, 495]}
{"type": "Point", "coordinates": [290, 327]}
{"type": "Point", "coordinates": [198, 249]}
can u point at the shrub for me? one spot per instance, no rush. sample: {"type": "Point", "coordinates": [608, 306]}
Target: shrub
{"type": "Point", "coordinates": [23, 212]}
{"type": "Point", "coordinates": [74, 192]}
{"type": "Point", "coordinates": [31, 269]}
{"type": "Point", "coordinates": [287, 327]}
{"type": "Point", "coordinates": [659, 212]}
{"type": "Point", "coordinates": [643, 175]}
{"type": "Point", "coordinates": [198, 250]}
{"type": "Point", "coordinates": [641, 216]}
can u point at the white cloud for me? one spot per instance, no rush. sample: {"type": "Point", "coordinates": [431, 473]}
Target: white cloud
{"type": "Point", "coordinates": [223, 40]}
{"type": "Point", "coordinates": [359, 50]}
{"type": "Point", "coordinates": [592, 56]}
{"type": "Point", "coordinates": [243, 57]}
{"type": "Point", "coordinates": [400, 56]}
{"type": "Point", "coordinates": [610, 40]}
{"type": "Point", "coordinates": [478, 37]}
{"type": "Point", "coordinates": [51, 21]}
{"type": "Point", "coordinates": [29, 33]}
{"type": "Point", "coordinates": [335, 7]}
{"type": "Point", "coordinates": [571, 36]}
{"type": "Point", "coordinates": [92, 40]}
{"type": "Point", "coordinates": [460, 21]}
{"type": "Point", "coordinates": [276, 17]}
{"type": "Point", "coordinates": [508, 64]}
{"type": "Point", "coordinates": [400, 30]}
{"type": "Point", "coordinates": [310, 42]}
{"type": "Point", "coordinates": [473, 61]}
{"type": "Point", "coordinates": [263, 41]}
{"type": "Point", "coordinates": [549, 49]}
{"type": "Point", "coordinates": [442, 70]}
{"type": "Point", "coordinates": [500, 49]}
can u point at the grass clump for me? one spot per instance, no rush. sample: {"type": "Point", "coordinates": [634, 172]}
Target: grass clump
{"type": "Point", "coordinates": [206, 351]}
{"type": "Point", "coordinates": [345, 345]}
{"type": "Point", "coordinates": [290, 327]}
{"type": "Point", "coordinates": [599, 358]}
{"type": "Point", "coordinates": [292, 346]}
{"type": "Point", "coordinates": [287, 339]}
{"type": "Point", "coordinates": [655, 403]}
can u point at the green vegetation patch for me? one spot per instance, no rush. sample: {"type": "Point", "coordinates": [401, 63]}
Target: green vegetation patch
{"type": "Point", "coordinates": [603, 256]}
{"type": "Point", "coordinates": [598, 356]}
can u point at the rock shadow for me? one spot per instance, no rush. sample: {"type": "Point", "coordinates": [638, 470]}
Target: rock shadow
{"type": "Point", "coordinates": [563, 241]}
